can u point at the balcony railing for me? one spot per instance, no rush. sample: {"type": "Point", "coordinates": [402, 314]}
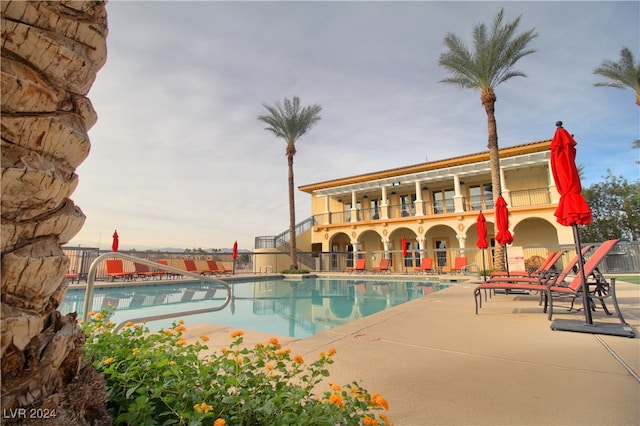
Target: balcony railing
{"type": "Point", "coordinates": [522, 198]}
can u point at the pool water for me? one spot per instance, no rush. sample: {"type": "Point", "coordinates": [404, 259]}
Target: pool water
{"type": "Point", "coordinates": [295, 308]}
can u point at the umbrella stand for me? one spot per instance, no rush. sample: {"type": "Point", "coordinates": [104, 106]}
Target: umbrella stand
{"type": "Point", "coordinates": [506, 259]}
{"type": "Point", "coordinates": [588, 326]}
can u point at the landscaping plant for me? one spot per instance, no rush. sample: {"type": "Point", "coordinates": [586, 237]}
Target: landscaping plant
{"type": "Point", "coordinates": [161, 379]}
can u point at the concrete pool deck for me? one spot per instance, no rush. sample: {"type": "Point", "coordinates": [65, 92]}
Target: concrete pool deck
{"type": "Point", "coordinates": [437, 363]}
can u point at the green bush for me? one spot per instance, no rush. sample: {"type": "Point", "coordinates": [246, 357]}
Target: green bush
{"type": "Point", "coordinates": [295, 271]}
{"type": "Point", "coordinates": [161, 379]}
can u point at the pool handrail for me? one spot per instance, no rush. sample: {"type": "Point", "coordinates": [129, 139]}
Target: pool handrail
{"type": "Point", "coordinates": [91, 277]}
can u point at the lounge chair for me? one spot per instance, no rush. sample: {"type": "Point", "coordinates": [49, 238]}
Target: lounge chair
{"type": "Point", "coordinates": [360, 266]}
{"type": "Point", "coordinates": [165, 272]}
{"type": "Point", "coordinates": [426, 266]}
{"type": "Point", "coordinates": [115, 270]}
{"type": "Point", "coordinates": [459, 265]}
{"type": "Point", "coordinates": [215, 269]}
{"type": "Point", "coordinates": [72, 276]}
{"type": "Point", "coordinates": [551, 284]}
{"type": "Point", "coordinates": [145, 272]}
{"type": "Point", "coordinates": [547, 264]}
{"type": "Point", "coordinates": [190, 266]}
{"type": "Point", "coordinates": [383, 267]}
{"type": "Point", "coordinates": [601, 288]}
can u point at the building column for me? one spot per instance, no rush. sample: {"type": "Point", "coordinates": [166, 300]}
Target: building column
{"type": "Point", "coordinates": [419, 205]}
{"type": "Point", "coordinates": [554, 196]}
{"type": "Point", "coordinates": [354, 209]}
{"type": "Point", "coordinates": [505, 192]}
{"type": "Point", "coordinates": [458, 199]}
{"type": "Point", "coordinates": [384, 205]}
{"type": "Point", "coordinates": [327, 212]}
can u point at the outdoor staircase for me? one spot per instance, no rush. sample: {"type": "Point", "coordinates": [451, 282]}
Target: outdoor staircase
{"type": "Point", "coordinates": [281, 242]}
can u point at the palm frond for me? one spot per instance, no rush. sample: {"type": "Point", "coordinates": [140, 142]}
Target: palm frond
{"type": "Point", "coordinates": [624, 74]}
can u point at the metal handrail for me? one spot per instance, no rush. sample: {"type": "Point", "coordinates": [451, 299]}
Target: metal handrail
{"type": "Point", "coordinates": [88, 298]}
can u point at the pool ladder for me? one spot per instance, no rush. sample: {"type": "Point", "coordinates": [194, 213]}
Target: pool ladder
{"type": "Point", "coordinates": [88, 298]}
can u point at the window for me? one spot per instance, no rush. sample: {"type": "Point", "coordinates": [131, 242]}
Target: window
{"type": "Point", "coordinates": [443, 201]}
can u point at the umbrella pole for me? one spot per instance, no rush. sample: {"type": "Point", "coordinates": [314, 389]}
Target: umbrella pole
{"type": "Point", "coordinates": [506, 259]}
{"type": "Point", "coordinates": [484, 268]}
{"type": "Point", "coordinates": [586, 302]}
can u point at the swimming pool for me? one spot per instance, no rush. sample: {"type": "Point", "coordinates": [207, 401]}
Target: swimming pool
{"type": "Point", "coordinates": [295, 308]}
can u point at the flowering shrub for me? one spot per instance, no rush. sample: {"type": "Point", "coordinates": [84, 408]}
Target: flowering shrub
{"type": "Point", "coordinates": [158, 378]}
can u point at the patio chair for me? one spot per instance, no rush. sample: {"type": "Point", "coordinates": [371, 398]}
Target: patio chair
{"type": "Point", "coordinates": [72, 276]}
{"type": "Point", "coordinates": [215, 269]}
{"type": "Point", "coordinates": [190, 266]}
{"type": "Point", "coordinates": [383, 267]}
{"type": "Point", "coordinates": [459, 265]}
{"type": "Point", "coordinates": [359, 267]}
{"type": "Point", "coordinates": [601, 288]}
{"type": "Point", "coordinates": [145, 272]}
{"type": "Point", "coordinates": [115, 270]}
{"type": "Point", "coordinates": [547, 264]}
{"type": "Point", "coordinates": [165, 272]}
{"type": "Point", "coordinates": [426, 266]}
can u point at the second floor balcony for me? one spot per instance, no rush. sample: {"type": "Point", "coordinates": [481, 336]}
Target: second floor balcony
{"type": "Point", "coordinates": [426, 208]}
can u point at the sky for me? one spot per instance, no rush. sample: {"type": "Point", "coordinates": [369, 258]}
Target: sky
{"type": "Point", "coordinates": [179, 159]}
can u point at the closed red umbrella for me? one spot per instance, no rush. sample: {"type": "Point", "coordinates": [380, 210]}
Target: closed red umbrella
{"type": "Point", "coordinates": [481, 229]}
{"type": "Point", "coordinates": [234, 255]}
{"type": "Point", "coordinates": [572, 209]}
{"type": "Point", "coordinates": [503, 236]}
{"type": "Point", "coordinates": [405, 252]}
{"type": "Point", "coordinates": [115, 243]}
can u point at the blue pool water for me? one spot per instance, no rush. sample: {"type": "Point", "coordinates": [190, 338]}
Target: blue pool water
{"type": "Point", "coordinates": [299, 308]}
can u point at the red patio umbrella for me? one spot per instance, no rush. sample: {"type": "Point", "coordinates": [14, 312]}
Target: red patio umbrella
{"type": "Point", "coordinates": [481, 229]}
{"type": "Point", "coordinates": [572, 209]}
{"type": "Point", "coordinates": [234, 255]}
{"type": "Point", "coordinates": [405, 252]}
{"type": "Point", "coordinates": [115, 243]}
{"type": "Point", "coordinates": [503, 236]}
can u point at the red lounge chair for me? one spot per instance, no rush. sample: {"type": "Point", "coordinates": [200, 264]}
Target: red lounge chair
{"type": "Point", "coordinates": [72, 276]}
{"type": "Point", "coordinates": [190, 266]}
{"type": "Point", "coordinates": [215, 269]}
{"type": "Point", "coordinates": [383, 267]}
{"type": "Point", "coordinates": [426, 265]}
{"type": "Point", "coordinates": [145, 272]}
{"type": "Point", "coordinates": [602, 289]}
{"type": "Point", "coordinates": [459, 265]}
{"type": "Point", "coordinates": [360, 266]}
{"type": "Point", "coordinates": [115, 270]}
{"type": "Point", "coordinates": [544, 281]}
{"type": "Point", "coordinates": [548, 263]}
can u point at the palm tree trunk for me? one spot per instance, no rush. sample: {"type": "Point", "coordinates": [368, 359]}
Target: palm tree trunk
{"type": "Point", "coordinates": [292, 216]}
{"type": "Point", "coordinates": [488, 100]}
{"type": "Point", "coordinates": [51, 53]}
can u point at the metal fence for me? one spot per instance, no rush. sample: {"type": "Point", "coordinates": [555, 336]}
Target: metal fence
{"type": "Point", "coordinates": [624, 259]}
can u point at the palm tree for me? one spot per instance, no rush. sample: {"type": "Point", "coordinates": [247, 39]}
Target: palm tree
{"type": "Point", "coordinates": [51, 53]}
{"type": "Point", "coordinates": [289, 121]}
{"type": "Point", "coordinates": [495, 53]}
{"type": "Point", "coordinates": [624, 74]}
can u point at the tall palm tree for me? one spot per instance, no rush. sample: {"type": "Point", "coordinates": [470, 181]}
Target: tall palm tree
{"type": "Point", "coordinates": [289, 121]}
{"type": "Point", "coordinates": [51, 53]}
{"type": "Point", "coordinates": [624, 74]}
{"type": "Point", "coordinates": [495, 52]}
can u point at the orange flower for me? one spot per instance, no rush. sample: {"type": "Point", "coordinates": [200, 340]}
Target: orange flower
{"type": "Point", "coordinates": [204, 337]}
{"type": "Point", "coordinates": [379, 401]}
{"type": "Point", "coordinates": [298, 359]}
{"type": "Point", "coordinates": [274, 341]}
{"type": "Point", "coordinates": [269, 366]}
{"type": "Point", "coordinates": [335, 387]}
{"type": "Point", "coordinates": [97, 316]}
{"type": "Point", "coordinates": [108, 361]}
{"type": "Point", "coordinates": [385, 419]}
{"type": "Point", "coordinates": [179, 328]}
{"type": "Point", "coordinates": [236, 333]}
{"type": "Point", "coordinates": [202, 408]}
{"type": "Point", "coordinates": [167, 331]}
{"type": "Point", "coordinates": [335, 399]}
{"type": "Point", "coordinates": [129, 324]}
{"type": "Point", "coordinates": [219, 422]}
{"type": "Point", "coordinates": [137, 327]}
{"type": "Point", "coordinates": [331, 351]}
{"type": "Point", "coordinates": [368, 421]}
{"type": "Point", "coordinates": [180, 321]}
{"type": "Point", "coordinates": [239, 361]}
{"type": "Point", "coordinates": [182, 341]}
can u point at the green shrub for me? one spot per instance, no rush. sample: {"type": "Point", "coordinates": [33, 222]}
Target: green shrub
{"type": "Point", "coordinates": [160, 379]}
{"type": "Point", "coordinates": [295, 271]}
